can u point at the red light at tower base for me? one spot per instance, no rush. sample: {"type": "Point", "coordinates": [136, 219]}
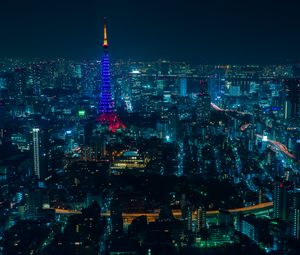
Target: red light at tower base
{"type": "Point", "coordinates": [112, 120]}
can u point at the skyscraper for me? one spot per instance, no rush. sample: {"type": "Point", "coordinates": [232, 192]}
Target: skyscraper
{"type": "Point", "coordinates": [201, 218]}
{"type": "Point", "coordinates": [187, 216]}
{"type": "Point", "coordinates": [216, 84]}
{"type": "Point", "coordinates": [40, 151]}
{"type": "Point", "coordinates": [291, 105]}
{"type": "Point", "coordinates": [183, 87]}
{"type": "Point", "coordinates": [35, 199]}
{"type": "Point", "coordinates": [203, 108]}
{"type": "Point", "coordinates": [20, 80]}
{"type": "Point", "coordinates": [36, 152]}
{"type": "Point", "coordinates": [2, 112]}
{"type": "Point", "coordinates": [116, 217]}
{"type": "Point", "coordinates": [282, 199]}
{"type": "Point", "coordinates": [108, 115]}
{"type": "Point", "coordinates": [296, 215]}
{"type": "Point", "coordinates": [136, 89]}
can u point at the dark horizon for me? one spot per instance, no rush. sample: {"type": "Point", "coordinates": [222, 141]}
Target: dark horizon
{"type": "Point", "coordinates": [218, 32]}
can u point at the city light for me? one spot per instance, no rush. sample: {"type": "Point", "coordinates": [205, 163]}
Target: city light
{"type": "Point", "coordinates": [81, 113]}
{"type": "Point", "coordinates": [209, 159]}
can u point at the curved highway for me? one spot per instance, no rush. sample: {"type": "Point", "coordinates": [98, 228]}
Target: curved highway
{"type": "Point", "coordinates": [276, 144]}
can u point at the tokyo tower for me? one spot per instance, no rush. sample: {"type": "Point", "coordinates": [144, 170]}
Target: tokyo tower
{"type": "Point", "coordinates": [108, 115]}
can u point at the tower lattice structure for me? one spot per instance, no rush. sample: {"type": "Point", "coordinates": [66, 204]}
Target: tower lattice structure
{"type": "Point", "coordinates": [107, 110]}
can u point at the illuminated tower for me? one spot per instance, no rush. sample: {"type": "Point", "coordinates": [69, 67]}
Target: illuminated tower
{"type": "Point", "coordinates": [108, 114]}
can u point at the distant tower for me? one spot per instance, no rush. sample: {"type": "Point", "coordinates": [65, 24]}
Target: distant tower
{"type": "Point", "coordinates": [36, 152]}
{"type": "Point", "coordinates": [108, 115]}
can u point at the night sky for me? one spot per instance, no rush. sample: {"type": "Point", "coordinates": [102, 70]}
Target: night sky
{"type": "Point", "coordinates": [198, 31]}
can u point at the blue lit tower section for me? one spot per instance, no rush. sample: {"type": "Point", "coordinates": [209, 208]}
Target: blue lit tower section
{"type": "Point", "coordinates": [108, 115]}
{"type": "Point", "coordinates": [106, 103]}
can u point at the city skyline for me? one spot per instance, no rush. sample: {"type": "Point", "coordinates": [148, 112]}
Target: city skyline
{"type": "Point", "coordinates": [216, 32]}
{"type": "Point", "coordinates": [163, 153]}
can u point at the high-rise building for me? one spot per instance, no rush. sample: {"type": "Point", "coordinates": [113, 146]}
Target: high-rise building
{"type": "Point", "coordinates": [216, 84]}
{"type": "Point", "coordinates": [189, 218]}
{"type": "Point", "coordinates": [201, 218]}
{"type": "Point", "coordinates": [249, 227]}
{"type": "Point", "coordinates": [2, 114]}
{"type": "Point", "coordinates": [116, 217]}
{"type": "Point", "coordinates": [160, 86]}
{"type": "Point", "coordinates": [136, 89]}
{"type": "Point", "coordinates": [20, 76]}
{"type": "Point", "coordinates": [291, 104]}
{"type": "Point", "coordinates": [203, 108]}
{"type": "Point", "coordinates": [36, 152]}
{"type": "Point", "coordinates": [108, 115]}
{"type": "Point", "coordinates": [296, 215]}
{"type": "Point", "coordinates": [282, 199]}
{"type": "Point", "coordinates": [35, 78]}
{"type": "Point", "coordinates": [35, 200]}
{"type": "Point", "coordinates": [183, 87]}
{"type": "Point", "coordinates": [40, 153]}
{"type": "Point", "coordinates": [187, 213]}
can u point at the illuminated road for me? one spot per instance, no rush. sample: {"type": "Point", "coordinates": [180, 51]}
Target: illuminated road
{"type": "Point", "coordinates": [151, 217]}
{"type": "Point", "coordinates": [277, 144]}
{"type": "Point", "coordinates": [66, 211]}
{"type": "Point", "coordinates": [217, 108]}
{"type": "Point", "coordinates": [280, 147]}
{"type": "Point", "coordinates": [245, 126]}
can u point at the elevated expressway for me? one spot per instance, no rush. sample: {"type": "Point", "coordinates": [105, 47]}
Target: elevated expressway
{"type": "Point", "coordinates": [258, 209]}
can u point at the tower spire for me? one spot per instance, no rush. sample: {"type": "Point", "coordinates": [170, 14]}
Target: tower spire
{"type": "Point", "coordinates": [105, 40]}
